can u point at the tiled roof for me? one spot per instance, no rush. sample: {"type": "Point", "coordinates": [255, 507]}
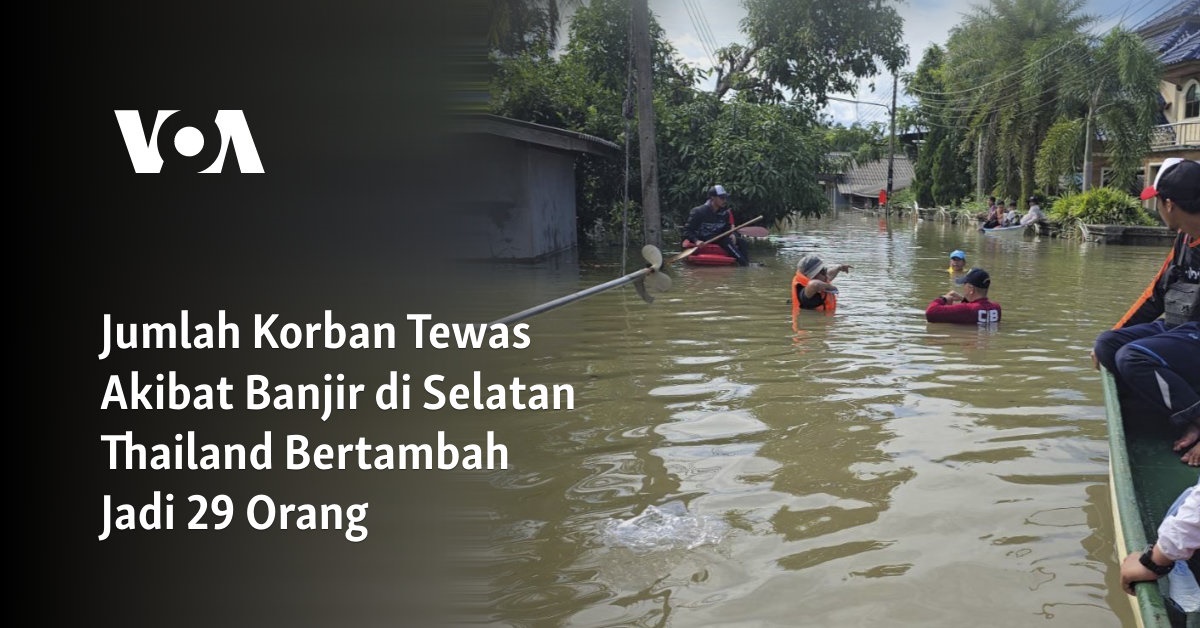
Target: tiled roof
{"type": "Point", "coordinates": [1173, 33]}
{"type": "Point", "coordinates": [1182, 10]}
{"type": "Point", "coordinates": [869, 178]}
{"type": "Point", "coordinates": [1187, 49]}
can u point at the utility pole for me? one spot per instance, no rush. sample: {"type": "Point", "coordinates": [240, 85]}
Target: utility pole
{"type": "Point", "coordinates": [891, 145]}
{"type": "Point", "coordinates": [647, 149]}
{"type": "Point", "coordinates": [891, 141]}
{"type": "Point", "coordinates": [979, 168]}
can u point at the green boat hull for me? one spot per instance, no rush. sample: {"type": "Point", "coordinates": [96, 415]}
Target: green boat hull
{"type": "Point", "coordinates": [1145, 479]}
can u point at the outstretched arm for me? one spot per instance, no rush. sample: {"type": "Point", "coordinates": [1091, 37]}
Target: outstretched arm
{"type": "Point", "coordinates": [834, 272]}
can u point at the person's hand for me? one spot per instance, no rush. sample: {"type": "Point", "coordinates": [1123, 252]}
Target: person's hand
{"type": "Point", "coordinates": [844, 268]}
{"type": "Point", "coordinates": [952, 297]}
{"type": "Point", "coordinates": [1095, 360]}
{"type": "Point", "coordinates": [1132, 572]}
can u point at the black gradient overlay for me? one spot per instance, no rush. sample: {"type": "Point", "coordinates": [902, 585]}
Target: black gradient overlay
{"type": "Point", "coordinates": [347, 104]}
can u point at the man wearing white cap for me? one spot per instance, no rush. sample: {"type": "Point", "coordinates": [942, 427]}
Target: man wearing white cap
{"type": "Point", "coordinates": [1154, 350]}
{"type": "Point", "coordinates": [713, 218]}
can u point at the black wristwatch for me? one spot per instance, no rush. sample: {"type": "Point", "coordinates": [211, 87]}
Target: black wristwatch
{"type": "Point", "coordinates": [1147, 561]}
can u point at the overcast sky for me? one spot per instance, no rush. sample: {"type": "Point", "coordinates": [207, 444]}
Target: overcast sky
{"type": "Point", "coordinates": [690, 24]}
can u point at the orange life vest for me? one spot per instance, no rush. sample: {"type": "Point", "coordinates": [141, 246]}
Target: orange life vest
{"type": "Point", "coordinates": [799, 282]}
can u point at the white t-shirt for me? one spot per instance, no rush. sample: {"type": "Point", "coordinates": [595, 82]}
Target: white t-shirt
{"type": "Point", "coordinates": [1179, 534]}
{"type": "Point", "coordinates": [1035, 214]}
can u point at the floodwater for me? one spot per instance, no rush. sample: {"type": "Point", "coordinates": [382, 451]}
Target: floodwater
{"type": "Point", "coordinates": [721, 468]}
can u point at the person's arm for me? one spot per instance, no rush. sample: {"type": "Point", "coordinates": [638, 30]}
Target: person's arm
{"type": "Point", "coordinates": [841, 268]}
{"type": "Point", "coordinates": [691, 231]}
{"type": "Point", "coordinates": [1149, 305]}
{"type": "Point", "coordinates": [1178, 537]}
{"type": "Point", "coordinates": [816, 285]}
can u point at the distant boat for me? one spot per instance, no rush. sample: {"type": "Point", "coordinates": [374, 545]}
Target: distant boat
{"type": "Point", "coordinates": [1014, 230]}
{"type": "Point", "coordinates": [1144, 479]}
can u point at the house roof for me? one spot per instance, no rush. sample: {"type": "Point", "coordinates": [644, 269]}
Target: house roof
{"type": "Point", "coordinates": [1187, 49]}
{"type": "Point", "coordinates": [534, 133]}
{"type": "Point", "coordinates": [1173, 33]}
{"type": "Point", "coordinates": [868, 179]}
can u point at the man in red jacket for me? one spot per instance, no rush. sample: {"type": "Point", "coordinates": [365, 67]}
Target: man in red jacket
{"type": "Point", "coordinates": [969, 308]}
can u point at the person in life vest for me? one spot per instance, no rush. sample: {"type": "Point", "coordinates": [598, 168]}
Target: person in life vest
{"type": "Point", "coordinates": [1154, 350]}
{"type": "Point", "coordinates": [969, 308]}
{"type": "Point", "coordinates": [812, 286]}
{"type": "Point", "coordinates": [958, 263]}
{"type": "Point", "coordinates": [711, 219]}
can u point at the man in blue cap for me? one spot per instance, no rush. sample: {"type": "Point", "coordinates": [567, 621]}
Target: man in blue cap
{"type": "Point", "coordinates": [958, 263]}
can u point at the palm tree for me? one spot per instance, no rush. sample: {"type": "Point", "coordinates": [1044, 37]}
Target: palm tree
{"type": "Point", "coordinates": [1007, 66]}
{"type": "Point", "coordinates": [1122, 105]}
{"type": "Point", "coordinates": [1113, 96]}
{"type": "Point", "coordinates": [514, 25]}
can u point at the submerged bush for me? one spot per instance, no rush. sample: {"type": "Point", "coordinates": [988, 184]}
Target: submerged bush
{"type": "Point", "coordinates": [1100, 206]}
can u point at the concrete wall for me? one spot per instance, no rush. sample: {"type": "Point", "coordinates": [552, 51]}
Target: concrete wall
{"type": "Point", "coordinates": [517, 199]}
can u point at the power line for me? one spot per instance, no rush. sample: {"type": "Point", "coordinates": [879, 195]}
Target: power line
{"type": "Point", "coordinates": [712, 41]}
{"type": "Point", "coordinates": [699, 34]}
{"type": "Point", "coordinates": [1032, 64]}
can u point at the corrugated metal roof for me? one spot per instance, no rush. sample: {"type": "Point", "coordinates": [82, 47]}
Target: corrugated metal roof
{"type": "Point", "coordinates": [868, 179]}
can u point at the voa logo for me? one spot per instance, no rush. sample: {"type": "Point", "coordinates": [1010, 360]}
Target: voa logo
{"type": "Point", "coordinates": [188, 142]}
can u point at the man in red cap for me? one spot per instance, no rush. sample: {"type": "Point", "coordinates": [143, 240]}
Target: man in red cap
{"type": "Point", "coordinates": [1154, 350]}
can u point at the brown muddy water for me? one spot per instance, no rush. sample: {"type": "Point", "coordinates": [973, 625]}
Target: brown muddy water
{"type": "Point", "coordinates": [864, 469]}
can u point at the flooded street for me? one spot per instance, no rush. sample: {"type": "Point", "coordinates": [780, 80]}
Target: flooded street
{"type": "Point", "coordinates": [866, 468]}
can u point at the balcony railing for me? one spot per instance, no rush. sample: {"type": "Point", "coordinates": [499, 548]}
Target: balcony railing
{"type": "Point", "coordinates": [1167, 136]}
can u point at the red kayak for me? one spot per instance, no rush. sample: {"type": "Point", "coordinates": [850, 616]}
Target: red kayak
{"type": "Point", "coordinates": [708, 255]}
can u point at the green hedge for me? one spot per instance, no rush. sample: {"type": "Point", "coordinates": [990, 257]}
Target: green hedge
{"type": "Point", "coordinates": [1100, 206]}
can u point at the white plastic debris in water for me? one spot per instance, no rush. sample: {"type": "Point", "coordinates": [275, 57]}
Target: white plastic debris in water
{"type": "Point", "coordinates": [670, 526]}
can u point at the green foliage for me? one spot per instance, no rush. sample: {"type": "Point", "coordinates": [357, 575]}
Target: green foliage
{"type": "Point", "coordinates": [1126, 75]}
{"type": "Point", "coordinates": [1099, 206]}
{"type": "Point", "coordinates": [806, 49]}
{"type": "Point", "coordinates": [1060, 156]}
{"type": "Point", "coordinates": [1007, 72]}
{"type": "Point", "coordinates": [516, 26]}
{"type": "Point", "coordinates": [905, 199]}
{"type": "Point", "coordinates": [860, 144]}
{"type": "Point", "coordinates": [941, 176]}
{"type": "Point", "coordinates": [767, 156]}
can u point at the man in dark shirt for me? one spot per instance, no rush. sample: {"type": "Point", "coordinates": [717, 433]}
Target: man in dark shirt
{"type": "Point", "coordinates": [710, 220]}
{"type": "Point", "coordinates": [969, 308]}
{"type": "Point", "coordinates": [1158, 359]}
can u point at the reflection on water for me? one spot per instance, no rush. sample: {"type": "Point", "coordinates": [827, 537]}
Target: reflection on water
{"type": "Point", "coordinates": [863, 466]}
